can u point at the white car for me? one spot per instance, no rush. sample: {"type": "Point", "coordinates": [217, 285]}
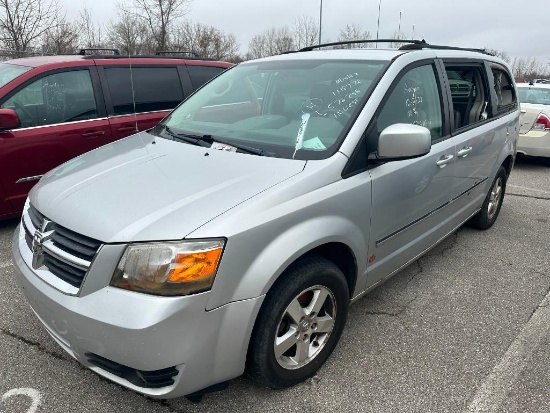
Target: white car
{"type": "Point", "coordinates": [534, 133]}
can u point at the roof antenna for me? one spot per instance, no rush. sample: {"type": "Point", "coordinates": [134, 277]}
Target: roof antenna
{"type": "Point", "coordinates": [136, 130]}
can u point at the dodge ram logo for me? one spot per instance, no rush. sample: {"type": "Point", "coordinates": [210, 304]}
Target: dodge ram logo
{"type": "Point", "coordinates": [40, 236]}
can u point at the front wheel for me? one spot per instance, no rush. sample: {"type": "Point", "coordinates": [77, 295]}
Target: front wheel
{"type": "Point", "coordinates": [299, 323]}
{"type": "Point", "coordinates": [490, 209]}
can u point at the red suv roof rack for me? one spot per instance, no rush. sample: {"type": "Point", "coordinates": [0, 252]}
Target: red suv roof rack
{"type": "Point", "coordinates": [176, 52]}
{"type": "Point", "coordinates": [90, 51]}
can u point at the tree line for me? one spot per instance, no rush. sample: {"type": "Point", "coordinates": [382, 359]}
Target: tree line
{"type": "Point", "coordinates": [144, 27]}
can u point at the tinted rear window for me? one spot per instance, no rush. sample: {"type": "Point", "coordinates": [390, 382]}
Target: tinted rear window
{"type": "Point", "coordinates": [201, 74]}
{"type": "Point", "coordinates": [155, 88]}
{"type": "Point", "coordinates": [504, 89]}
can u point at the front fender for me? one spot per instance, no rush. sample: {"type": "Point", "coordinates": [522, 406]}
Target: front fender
{"type": "Point", "coordinates": [240, 279]}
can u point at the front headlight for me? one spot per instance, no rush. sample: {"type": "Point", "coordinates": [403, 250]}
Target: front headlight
{"type": "Point", "coordinates": [169, 268]}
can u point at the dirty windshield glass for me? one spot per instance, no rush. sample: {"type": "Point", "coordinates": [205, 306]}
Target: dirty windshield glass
{"type": "Point", "coordinates": [292, 109]}
{"type": "Point", "coordinates": [9, 72]}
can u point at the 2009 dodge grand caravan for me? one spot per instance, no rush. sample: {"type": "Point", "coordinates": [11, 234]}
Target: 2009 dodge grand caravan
{"type": "Point", "coordinates": [234, 235]}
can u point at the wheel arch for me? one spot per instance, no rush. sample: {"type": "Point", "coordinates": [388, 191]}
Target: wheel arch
{"type": "Point", "coordinates": [340, 255]}
{"type": "Point", "coordinates": [508, 164]}
{"type": "Point", "coordinates": [254, 261]}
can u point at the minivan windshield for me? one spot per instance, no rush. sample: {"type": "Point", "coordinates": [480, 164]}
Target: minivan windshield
{"type": "Point", "coordinates": [8, 72]}
{"type": "Point", "coordinates": [291, 108]}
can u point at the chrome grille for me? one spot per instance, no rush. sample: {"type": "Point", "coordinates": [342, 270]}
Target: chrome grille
{"type": "Point", "coordinates": [75, 244]}
{"type": "Point", "coordinates": [35, 216]}
{"type": "Point", "coordinates": [66, 254]}
{"type": "Point", "coordinates": [66, 272]}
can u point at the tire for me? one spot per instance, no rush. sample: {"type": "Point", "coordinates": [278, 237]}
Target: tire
{"type": "Point", "coordinates": [490, 209]}
{"type": "Point", "coordinates": [304, 312]}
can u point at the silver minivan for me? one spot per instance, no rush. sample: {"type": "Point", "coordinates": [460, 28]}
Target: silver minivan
{"type": "Point", "coordinates": [233, 236]}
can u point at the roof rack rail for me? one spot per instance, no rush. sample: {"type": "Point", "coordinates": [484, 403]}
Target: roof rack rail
{"type": "Point", "coordinates": [173, 52]}
{"type": "Point", "coordinates": [142, 56]}
{"type": "Point", "coordinates": [409, 45]}
{"type": "Point", "coordinates": [416, 46]}
{"type": "Point", "coordinates": [87, 51]}
{"type": "Point", "coordinates": [318, 46]}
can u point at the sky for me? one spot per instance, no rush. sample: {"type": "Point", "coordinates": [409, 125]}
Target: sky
{"type": "Point", "coordinates": [513, 26]}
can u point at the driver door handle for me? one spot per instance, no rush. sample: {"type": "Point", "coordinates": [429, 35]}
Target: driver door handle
{"type": "Point", "coordinates": [127, 129]}
{"type": "Point", "coordinates": [464, 151]}
{"type": "Point", "coordinates": [93, 134]}
{"type": "Point", "coordinates": [444, 160]}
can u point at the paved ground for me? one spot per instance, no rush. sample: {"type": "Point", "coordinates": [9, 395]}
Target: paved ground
{"type": "Point", "coordinates": [464, 329]}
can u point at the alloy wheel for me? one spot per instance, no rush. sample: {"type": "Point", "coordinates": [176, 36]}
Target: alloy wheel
{"type": "Point", "coordinates": [495, 198]}
{"type": "Point", "coordinates": [305, 327]}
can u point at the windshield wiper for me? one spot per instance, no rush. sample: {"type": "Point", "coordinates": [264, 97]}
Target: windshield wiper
{"type": "Point", "coordinates": [206, 141]}
{"type": "Point", "coordinates": [197, 140]}
{"type": "Point", "coordinates": [243, 148]}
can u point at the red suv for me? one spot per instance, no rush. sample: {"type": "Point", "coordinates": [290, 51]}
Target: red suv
{"type": "Point", "coordinates": [53, 108]}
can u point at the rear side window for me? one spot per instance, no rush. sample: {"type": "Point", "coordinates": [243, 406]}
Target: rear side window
{"type": "Point", "coordinates": [504, 90]}
{"type": "Point", "coordinates": [154, 89]}
{"type": "Point", "coordinates": [201, 74]}
{"type": "Point", "coordinates": [469, 94]}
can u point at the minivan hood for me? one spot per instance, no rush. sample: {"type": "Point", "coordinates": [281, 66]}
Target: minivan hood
{"type": "Point", "coordinates": [144, 188]}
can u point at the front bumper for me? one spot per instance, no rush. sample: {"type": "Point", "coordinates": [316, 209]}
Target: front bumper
{"type": "Point", "coordinates": [534, 143]}
{"type": "Point", "coordinates": [141, 331]}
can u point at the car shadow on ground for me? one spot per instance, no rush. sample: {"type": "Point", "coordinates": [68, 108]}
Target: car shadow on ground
{"type": "Point", "coordinates": [8, 225]}
{"type": "Point", "coordinates": [529, 162]}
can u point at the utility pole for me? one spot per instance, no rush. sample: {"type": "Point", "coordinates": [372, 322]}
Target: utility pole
{"type": "Point", "coordinates": [378, 26]}
{"type": "Point", "coordinates": [320, 20]}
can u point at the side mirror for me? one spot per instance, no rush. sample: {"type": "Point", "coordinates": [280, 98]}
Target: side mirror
{"type": "Point", "coordinates": [9, 119]}
{"type": "Point", "coordinates": [404, 141]}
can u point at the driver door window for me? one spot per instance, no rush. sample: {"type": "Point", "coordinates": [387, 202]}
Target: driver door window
{"type": "Point", "coordinates": [415, 99]}
{"type": "Point", "coordinates": [56, 98]}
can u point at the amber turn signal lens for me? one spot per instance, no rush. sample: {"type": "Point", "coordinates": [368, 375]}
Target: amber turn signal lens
{"type": "Point", "coordinates": [193, 267]}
